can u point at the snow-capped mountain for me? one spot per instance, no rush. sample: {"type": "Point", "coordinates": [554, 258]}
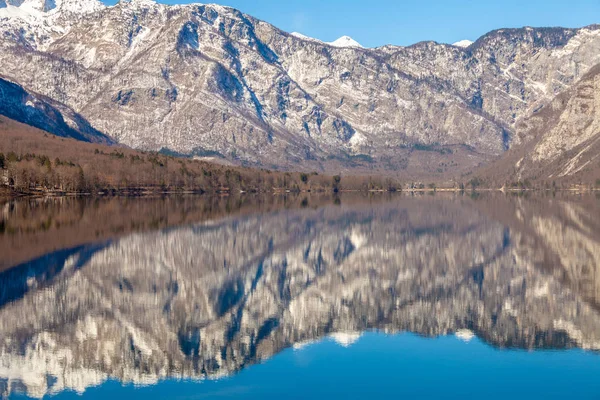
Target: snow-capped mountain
{"type": "Point", "coordinates": [207, 79]}
{"type": "Point", "coordinates": [41, 9]}
{"type": "Point", "coordinates": [345, 41]}
{"type": "Point", "coordinates": [40, 21]}
{"type": "Point", "coordinates": [463, 43]}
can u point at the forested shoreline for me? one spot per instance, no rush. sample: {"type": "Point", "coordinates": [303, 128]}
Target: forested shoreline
{"type": "Point", "coordinates": [34, 162]}
{"type": "Point", "coordinates": [31, 174]}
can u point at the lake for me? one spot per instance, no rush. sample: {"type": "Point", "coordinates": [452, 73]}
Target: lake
{"type": "Point", "coordinates": [352, 296]}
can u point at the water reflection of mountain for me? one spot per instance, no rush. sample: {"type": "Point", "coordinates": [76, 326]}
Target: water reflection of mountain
{"type": "Point", "coordinates": [207, 300]}
{"type": "Point", "coordinates": [32, 227]}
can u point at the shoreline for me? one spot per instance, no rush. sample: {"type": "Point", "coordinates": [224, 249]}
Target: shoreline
{"type": "Point", "coordinates": [10, 194]}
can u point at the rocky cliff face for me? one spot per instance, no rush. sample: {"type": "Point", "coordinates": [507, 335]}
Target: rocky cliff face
{"type": "Point", "coordinates": [561, 141]}
{"type": "Point", "coordinates": [206, 80]}
{"type": "Point", "coordinates": [208, 300]}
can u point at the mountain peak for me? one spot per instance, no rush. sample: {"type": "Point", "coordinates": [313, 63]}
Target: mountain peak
{"type": "Point", "coordinates": [79, 6]}
{"type": "Point", "coordinates": [138, 3]}
{"type": "Point", "coordinates": [32, 9]}
{"type": "Point", "coordinates": [463, 43]}
{"type": "Point", "coordinates": [345, 41]}
{"type": "Point", "coordinates": [40, 5]}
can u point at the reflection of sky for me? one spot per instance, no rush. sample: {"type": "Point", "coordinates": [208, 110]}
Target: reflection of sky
{"type": "Point", "coordinates": [400, 366]}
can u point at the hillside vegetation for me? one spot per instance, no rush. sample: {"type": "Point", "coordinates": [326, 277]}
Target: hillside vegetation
{"type": "Point", "coordinates": [33, 162]}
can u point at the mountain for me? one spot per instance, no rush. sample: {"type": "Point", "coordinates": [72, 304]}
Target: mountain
{"type": "Point", "coordinates": [207, 79]}
{"type": "Point", "coordinates": [44, 113]}
{"type": "Point", "coordinates": [561, 141]}
{"type": "Point", "coordinates": [207, 300]}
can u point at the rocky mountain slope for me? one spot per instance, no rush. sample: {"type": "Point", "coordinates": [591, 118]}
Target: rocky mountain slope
{"type": "Point", "coordinates": [46, 114]}
{"type": "Point", "coordinates": [561, 141]}
{"type": "Point", "coordinates": [207, 300]}
{"type": "Point", "coordinates": [210, 80]}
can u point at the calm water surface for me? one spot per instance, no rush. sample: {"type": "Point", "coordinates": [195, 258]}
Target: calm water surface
{"type": "Point", "coordinates": [403, 296]}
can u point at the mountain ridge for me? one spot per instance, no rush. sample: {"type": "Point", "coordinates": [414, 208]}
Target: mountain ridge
{"type": "Point", "coordinates": [206, 78]}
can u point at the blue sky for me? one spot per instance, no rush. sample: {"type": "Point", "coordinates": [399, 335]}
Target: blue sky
{"type": "Point", "coordinates": [403, 22]}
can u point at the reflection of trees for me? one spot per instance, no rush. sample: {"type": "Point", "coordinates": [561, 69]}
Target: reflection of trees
{"type": "Point", "coordinates": [30, 228]}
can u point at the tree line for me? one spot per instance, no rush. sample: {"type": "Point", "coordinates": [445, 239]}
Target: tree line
{"type": "Point", "coordinates": [124, 170]}
{"type": "Point", "coordinates": [110, 170]}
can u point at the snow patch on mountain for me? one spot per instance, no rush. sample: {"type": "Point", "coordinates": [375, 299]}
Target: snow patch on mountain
{"type": "Point", "coordinates": [140, 3]}
{"type": "Point", "coordinates": [40, 22]}
{"type": "Point", "coordinates": [345, 41]}
{"type": "Point", "coordinates": [25, 12]}
{"type": "Point", "coordinates": [300, 36]}
{"type": "Point", "coordinates": [39, 9]}
{"type": "Point", "coordinates": [79, 6]}
{"type": "Point", "coordinates": [463, 43]}
{"type": "Point", "coordinates": [304, 37]}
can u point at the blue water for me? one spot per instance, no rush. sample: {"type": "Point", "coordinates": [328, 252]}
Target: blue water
{"type": "Point", "coordinates": [389, 366]}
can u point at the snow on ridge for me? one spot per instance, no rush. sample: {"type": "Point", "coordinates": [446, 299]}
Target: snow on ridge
{"type": "Point", "coordinates": [463, 43]}
{"type": "Point", "coordinates": [35, 11]}
{"type": "Point", "coordinates": [304, 37]}
{"type": "Point", "coordinates": [139, 3]}
{"type": "Point", "coordinates": [24, 12]}
{"type": "Point", "coordinates": [300, 36]}
{"type": "Point", "coordinates": [345, 41]}
{"type": "Point", "coordinates": [49, 7]}
{"type": "Point", "coordinates": [42, 20]}
{"type": "Point", "coordinates": [80, 6]}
